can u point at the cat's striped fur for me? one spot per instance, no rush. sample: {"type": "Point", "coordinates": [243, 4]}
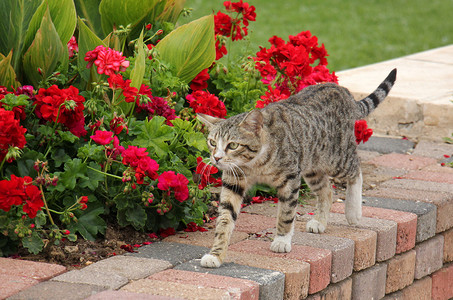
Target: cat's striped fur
{"type": "Point", "coordinates": [309, 135]}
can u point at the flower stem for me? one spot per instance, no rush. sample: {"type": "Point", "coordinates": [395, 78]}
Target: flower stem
{"type": "Point", "coordinates": [46, 206]}
{"type": "Point", "coordinates": [106, 174]}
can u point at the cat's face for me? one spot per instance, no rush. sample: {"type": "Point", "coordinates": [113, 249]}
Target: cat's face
{"type": "Point", "coordinates": [233, 142]}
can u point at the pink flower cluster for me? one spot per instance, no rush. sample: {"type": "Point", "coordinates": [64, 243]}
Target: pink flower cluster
{"type": "Point", "coordinates": [107, 60]}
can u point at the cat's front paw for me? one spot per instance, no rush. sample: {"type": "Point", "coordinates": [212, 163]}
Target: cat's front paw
{"type": "Point", "coordinates": [314, 226]}
{"type": "Point", "coordinates": [281, 245]}
{"type": "Point", "coordinates": [210, 261]}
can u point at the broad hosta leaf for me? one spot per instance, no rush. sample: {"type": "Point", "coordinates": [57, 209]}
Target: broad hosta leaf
{"type": "Point", "coordinates": [87, 42]}
{"type": "Point", "coordinates": [44, 53]}
{"type": "Point", "coordinates": [88, 10]}
{"type": "Point", "coordinates": [172, 11]}
{"type": "Point", "coordinates": [63, 14]}
{"type": "Point", "coordinates": [15, 16]}
{"type": "Point", "coordinates": [189, 48]}
{"type": "Point", "coordinates": [7, 74]}
{"type": "Point", "coordinates": [124, 12]}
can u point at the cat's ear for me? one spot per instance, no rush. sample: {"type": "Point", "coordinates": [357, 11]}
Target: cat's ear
{"type": "Point", "coordinates": [208, 120]}
{"type": "Point", "coordinates": [253, 122]}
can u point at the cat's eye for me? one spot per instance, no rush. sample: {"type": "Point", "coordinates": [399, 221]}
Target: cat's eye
{"type": "Point", "coordinates": [212, 143]}
{"type": "Point", "coordinates": [233, 146]}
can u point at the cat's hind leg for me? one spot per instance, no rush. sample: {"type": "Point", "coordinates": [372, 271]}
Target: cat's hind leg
{"type": "Point", "coordinates": [288, 195]}
{"type": "Point", "coordinates": [319, 184]}
{"type": "Point", "coordinates": [353, 208]}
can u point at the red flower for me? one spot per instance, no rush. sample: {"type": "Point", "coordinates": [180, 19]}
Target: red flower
{"type": "Point", "coordinates": [33, 201]}
{"type": "Point", "coordinates": [362, 132]}
{"type": "Point", "coordinates": [192, 227]}
{"type": "Point", "coordinates": [167, 232]}
{"type": "Point", "coordinates": [11, 133]}
{"type": "Point", "coordinates": [206, 103]}
{"type": "Point", "coordinates": [116, 81]}
{"type": "Point", "coordinates": [102, 137]}
{"type": "Point", "coordinates": [206, 171]}
{"type": "Point", "coordinates": [62, 106]}
{"type": "Point", "coordinates": [157, 106]}
{"type": "Point", "coordinates": [272, 95]}
{"type": "Point", "coordinates": [200, 81]}
{"type": "Point", "coordinates": [169, 180]}
{"type": "Point", "coordinates": [83, 202]}
{"type": "Point", "coordinates": [220, 49]}
{"type": "Point", "coordinates": [117, 124]}
{"type": "Point", "coordinates": [72, 46]}
{"type": "Point", "coordinates": [11, 192]}
{"type": "Point", "coordinates": [108, 61]}
{"type": "Point", "coordinates": [139, 160]}
{"type": "Point", "coordinates": [222, 24]}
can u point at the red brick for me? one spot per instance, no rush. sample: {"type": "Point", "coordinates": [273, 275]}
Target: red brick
{"type": "Point", "coordinates": [448, 245]}
{"type": "Point", "coordinates": [419, 289]}
{"type": "Point", "coordinates": [320, 260]}
{"type": "Point", "coordinates": [297, 273]}
{"type": "Point", "coordinates": [442, 283]}
{"type": "Point", "coordinates": [237, 288]}
{"type": "Point", "coordinates": [407, 223]}
{"type": "Point", "coordinates": [203, 239]}
{"type": "Point", "coordinates": [30, 269]}
{"type": "Point", "coordinates": [12, 284]}
{"type": "Point", "coordinates": [429, 256]}
{"type": "Point", "coordinates": [252, 223]}
{"type": "Point", "coordinates": [340, 290]}
{"type": "Point", "coordinates": [402, 161]}
{"type": "Point", "coordinates": [430, 176]}
{"type": "Point", "coordinates": [413, 190]}
{"type": "Point", "coordinates": [165, 288]}
{"type": "Point", "coordinates": [400, 271]}
{"type": "Point", "coordinates": [369, 283]}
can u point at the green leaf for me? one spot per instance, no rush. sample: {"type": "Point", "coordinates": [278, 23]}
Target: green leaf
{"type": "Point", "coordinates": [44, 53]}
{"type": "Point", "coordinates": [189, 48]}
{"type": "Point", "coordinates": [63, 15]}
{"type": "Point", "coordinates": [136, 216]}
{"type": "Point", "coordinates": [172, 11]}
{"type": "Point", "coordinates": [90, 224]}
{"type": "Point", "coordinates": [87, 42]}
{"type": "Point", "coordinates": [124, 12]}
{"type": "Point", "coordinates": [7, 73]}
{"type": "Point", "coordinates": [67, 136]}
{"type": "Point", "coordinates": [15, 16]}
{"type": "Point", "coordinates": [88, 10]}
{"type": "Point", "coordinates": [59, 157]}
{"type": "Point", "coordinates": [11, 100]}
{"type": "Point", "coordinates": [197, 140]}
{"type": "Point", "coordinates": [33, 243]}
{"type": "Point", "coordinates": [93, 177]}
{"type": "Point", "coordinates": [74, 169]}
{"type": "Point", "coordinates": [154, 135]}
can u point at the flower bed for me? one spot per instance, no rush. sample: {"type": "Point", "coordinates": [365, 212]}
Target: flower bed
{"type": "Point", "coordinates": [103, 130]}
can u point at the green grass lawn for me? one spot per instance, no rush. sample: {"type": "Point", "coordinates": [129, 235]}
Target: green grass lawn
{"type": "Point", "coordinates": [355, 32]}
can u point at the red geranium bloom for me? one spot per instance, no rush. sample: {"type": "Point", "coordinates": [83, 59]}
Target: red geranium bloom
{"type": "Point", "coordinates": [272, 95]}
{"type": "Point", "coordinates": [129, 92]}
{"type": "Point", "coordinates": [33, 201]}
{"type": "Point", "coordinates": [83, 202]}
{"type": "Point", "coordinates": [62, 106]}
{"type": "Point", "coordinates": [117, 124]}
{"type": "Point", "coordinates": [362, 132]}
{"type": "Point", "coordinates": [108, 61]}
{"type": "Point", "coordinates": [206, 103]}
{"type": "Point", "coordinates": [157, 106]}
{"type": "Point", "coordinates": [170, 180]}
{"type": "Point", "coordinates": [206, 171]}
{"type": "Point", "coordinates": [200, 81]}
{"type": "Point", "coordinates": [11, 192]}
{"type": "Point", "coordinates": [102, 137]}
{"type": "Point", "coordinates": [139, 160]}
{"type": "Point", "coordinates": [167, 232]}
{"type": "Point", "coordinates": [222, 24]}
{"type": "Point", "coordinates": [11, 133]}
{"type": "Point", "coordinates": [192, 227]}
{"type": "Point", "coordinates": [72, 46]}
{"type": "Point", "coordinates": [220, 49]}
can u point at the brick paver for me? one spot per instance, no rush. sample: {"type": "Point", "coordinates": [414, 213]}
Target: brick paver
{"type": "Point", "coordinates": [407, 223]}
{"type": "Point", "coordinates": [369, 283]}
{"type": "Point", "coordinates": [402, 161]}
{"type": "Point", "coordinates": [429, 256]}
{"type": "Point", "coordinates": [442, 287]}
{"type": "Point", "coordinates": [448, 246]}
{"type": "Point", "coordinates": [320, 260]}
{"type": "Point", "coordinates": [400, 271]}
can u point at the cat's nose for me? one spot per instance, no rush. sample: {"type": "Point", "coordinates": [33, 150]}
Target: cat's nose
{"type": "Point", "coordinates": [217, 158]}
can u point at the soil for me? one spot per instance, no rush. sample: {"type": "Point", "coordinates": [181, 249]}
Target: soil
{"type": "Point", "coordinates": [117, 241]}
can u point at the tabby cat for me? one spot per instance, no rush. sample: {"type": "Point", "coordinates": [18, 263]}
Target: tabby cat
{"type": "Point", "coordinates": [310, 135]}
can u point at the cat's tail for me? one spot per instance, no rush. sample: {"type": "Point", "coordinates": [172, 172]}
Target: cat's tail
{"type": "Point", "coordinates": [369, 103]}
